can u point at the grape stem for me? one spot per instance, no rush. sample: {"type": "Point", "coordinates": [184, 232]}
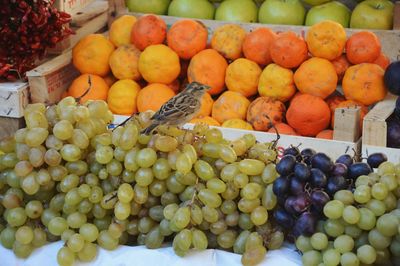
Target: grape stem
{"type": "Point", "coordinates": [87, 90]}
{"type": "Point", "coordinates": [278, 136]}
{"type": "Point", "coordinates": [194, 193]}
{"type": "Point", "coordinates": [112, 197]}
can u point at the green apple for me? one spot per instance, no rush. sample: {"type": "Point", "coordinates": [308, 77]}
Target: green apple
{"type": "Point", "coordinates": [289, 12]}
{"type": "Point", "coordinates": [191, 9]}
{"type": "Point", "coordinates": [335, 11]}
{"type": "Point", "coordinates": [373, 14]}
{"type": "Point", "coordinates": [237, 11]}
{"type": "Point", "coordinates": [158, 7]}
{"type": "Point", "coordinates": [315, 2]}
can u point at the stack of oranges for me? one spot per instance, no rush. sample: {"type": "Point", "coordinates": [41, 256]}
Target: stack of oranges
{"type": "Point", "coordinates": [258, 79]}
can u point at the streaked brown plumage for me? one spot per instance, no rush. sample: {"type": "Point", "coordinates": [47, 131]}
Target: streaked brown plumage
{"type": "Point", "coordinates": [180, 109]}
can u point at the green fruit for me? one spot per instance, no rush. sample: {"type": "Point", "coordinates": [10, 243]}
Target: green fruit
{"type": "Point", "coordinates": [159, 7]}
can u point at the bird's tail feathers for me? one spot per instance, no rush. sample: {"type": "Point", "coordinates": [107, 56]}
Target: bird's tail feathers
{"type": "Point", "coordinates": [149, 129]}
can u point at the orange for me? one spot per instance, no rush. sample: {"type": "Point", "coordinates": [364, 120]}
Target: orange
{"type": "Point", "coordinates": [242, 76]}
{"type": "Point", "coordinates": [277, 82]}
{"type": "Point", "coordinates": [228, 40]}
{"type": "Point", "coordinates": [284, 129]}
{"type": "Point", "coordinates": [208, 67]}
{"type": "Point", "coordinates": [110, 79]}
{"type": "Point", "coordinates": [92, 54]}
{"type": "Point", "coordinates": [256, 45]}
{"type": "Point", "coordinates": [264, 112]}
{"type": "Point", "coordinates": [288, 50]}
{"type": "Point", "coordinates": [325, 134]}
{"type": "Point", "coordinates": [122, 97]}
{"type": "Point", "coordinates": [230, 104]}
{"type": "Point", "coordinates": [124, 62]}
{"type": "Point", "coordinates": [237, 123]}
{"type": "Point", "coordinates": [206, 105]}
{"type": "Point", "coordinates": [187, 37]}
{"type": "Point", "coordinates": [326, 39]}
{"type": "Point", "coordinates": [363, 47]}
{"type": "Point", "coordinates": [148, 30]}
{"type": "Point", "coordinates": [175, 86]}
{"type": "Point", "coordinates": [341, 64]}
{"type": "Point", "coordinates": [334, 100]}
{"type": "Point", "coordinates": [98, 90]}
{"type": "Point", "coordinates": [316, 76]}
{"type": "Point", "coordinates": [153, 96]}
{"type": "Point", "coordinates": [308, 115]}
{"type": "Point", "coordinates": [364, 84]}
{"type": "Point", "coordinates": [383, 61]}
{"type": "Point", "coordinates": [120, 30]}
{"type": "Point", "coordinates": [205, 120]}
{"type": "Point", "coordinates": [159, 64]}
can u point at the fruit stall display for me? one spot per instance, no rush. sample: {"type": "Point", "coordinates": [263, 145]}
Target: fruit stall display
{"type": "Point", "coordinates": [369, 14]}
{"type": "Point", "coordinates": [270, 169]}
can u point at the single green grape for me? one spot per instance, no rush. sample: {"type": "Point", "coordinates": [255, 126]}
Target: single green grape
{"type": "Point", "coordinates": [366, 254]}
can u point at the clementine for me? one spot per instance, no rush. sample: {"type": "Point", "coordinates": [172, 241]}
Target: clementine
{"type": "Point", "coordinates": [187, 37]}
{"type": "Point", "coordinates": [288, 50]}
{"type": "Point", "coordinates": [326, 39]}
{"type": "Point", "coordinates": [277, 82]}
{"type": "Point", "coordinates": [159, 64]}
{"type": "Point", "coordinates": [242, 76]}
{"type": "Point", "coordinates": [148, 30]}
{"type": "Point", "coordinates": [230, 104]}
{"type": "Point", "coordinates": [256, 45]}
{"type": "Point", "coordinates": [208, 67]}
{"type": "Point", "coordinates": [228, 40]}
{"type": "Point", "coordinates": [308, 115]}
{"type": "Point", "coordinates": [264, 112]}
{"type": "Point", "coordinates": [316, 76]}
{"type": "Point", "coordinates": [153, 96]}
{"type": "Point", "coordinates": [92, 54]}
{"type": "Point", "coordinates": [124, 62]}
{"type": "Point", "coordinates": [122, 97]}
{"type": "Point", "coordinates": [98, 88]}
{"type": "Point", "coordinates": [363, 47]}
{"type": "Point", "coordinates": [363, 83]}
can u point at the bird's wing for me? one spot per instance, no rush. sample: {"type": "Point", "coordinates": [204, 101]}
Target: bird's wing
{"type": "Point", "coordinates": [177, 108]}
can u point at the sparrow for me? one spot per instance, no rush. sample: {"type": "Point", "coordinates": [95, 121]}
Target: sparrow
{"type": "Point", "coordinates": [180, 109]}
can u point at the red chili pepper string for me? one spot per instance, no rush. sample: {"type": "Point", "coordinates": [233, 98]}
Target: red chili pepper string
{"type": "Point", "coordinates": [27, 29]}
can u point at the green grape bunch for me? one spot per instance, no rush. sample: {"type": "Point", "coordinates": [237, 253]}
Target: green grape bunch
{"type": "Point", "coordinates": [362, 226]}
{"type": "Point", "coordinates": [67, 177]}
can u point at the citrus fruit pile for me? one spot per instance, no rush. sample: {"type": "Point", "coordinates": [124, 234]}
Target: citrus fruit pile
{"type": "Point", "coordinates": [257, 79]}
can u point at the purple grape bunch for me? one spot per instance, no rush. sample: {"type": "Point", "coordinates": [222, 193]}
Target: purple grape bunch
{"type": "Point", "coordinates": [307, 181]}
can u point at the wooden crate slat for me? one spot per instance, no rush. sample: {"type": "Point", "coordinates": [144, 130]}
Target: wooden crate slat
{"type": "Point", "coordinates": [375, 127]}
{"type": "Point", "coordinates": [47, 82]}
{"type": "Point", "coordinates": [392, 153]}
{"type": "Point", "coordinates": [96, 8]}
{"type": "Point", "coordinates": [396, 16]}
{"type": "Point", "coordinates": [347, 124]}
{"type": "Point", "coordinates": [8, 126]}
{"type": "Point", "coordinates": [71, 6]}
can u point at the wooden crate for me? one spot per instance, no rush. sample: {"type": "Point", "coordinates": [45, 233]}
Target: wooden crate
{"type": "Point", "coordinates": [72, 6]}
{"type": "Point", "coordinates": [390, 39]}
{"type": "Point", "coordinates": [48, 81]}
{"type": "Point", "coordinates": [9, 125]}
{"type": "Point", "coordinates": [375, 130]}
{"type": "Point", "coordinates": [13, 99]}
{"type": "Point", "coordinates": [91, 19]}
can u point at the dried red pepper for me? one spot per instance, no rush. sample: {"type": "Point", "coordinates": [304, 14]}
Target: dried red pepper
{"type": "Point", "coordinates": [27, 29]}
